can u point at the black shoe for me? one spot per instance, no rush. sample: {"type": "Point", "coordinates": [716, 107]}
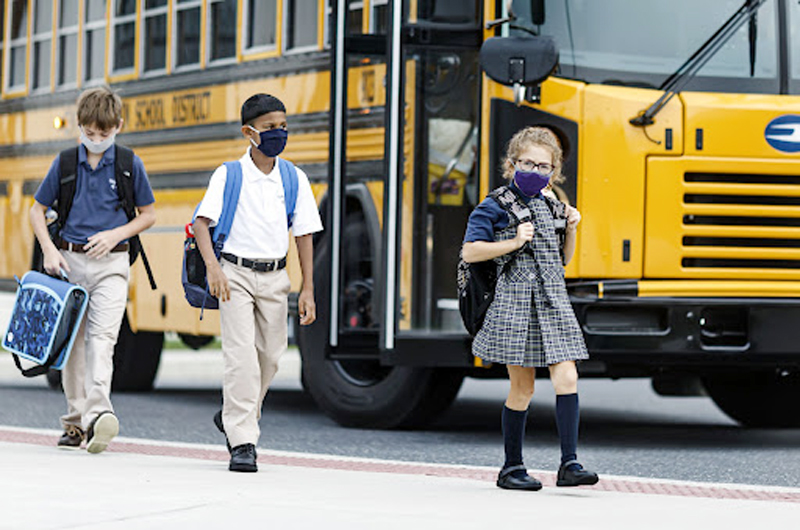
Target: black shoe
{"type": "Point", "coordinates": [101, 431]}
{"type": "Point", "coordinates": [508, 482]}
{"type": "Point", "coordinates": [72, 437]}
{"type": "Point", "coordinates": [243, 458]}
{"type": "Point", "coordinates": [572, 474]}
{"type": "Point", "coordinates": [218, 423]}
{"type": "Point", "coordinates": [221, 428]}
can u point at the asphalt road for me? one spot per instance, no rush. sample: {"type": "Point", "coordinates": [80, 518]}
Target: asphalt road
{"type": "Point", "coordinates": [626, 428]}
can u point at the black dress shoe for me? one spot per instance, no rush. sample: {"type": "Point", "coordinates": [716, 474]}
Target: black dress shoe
{"type": "Point", "coordinates": [243, 458]}
{"type": "Point", "coordinates": [508, 482]}
{"type": "Point", "coordinates": [221, 428]}
{"type": "Point", "coordinates": [572, 474]}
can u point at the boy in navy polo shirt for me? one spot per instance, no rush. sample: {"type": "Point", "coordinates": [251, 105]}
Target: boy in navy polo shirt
{"type": "Point", "coordinates": [92, 249]}
{"type": "Point", "coordinates": [250, 280]}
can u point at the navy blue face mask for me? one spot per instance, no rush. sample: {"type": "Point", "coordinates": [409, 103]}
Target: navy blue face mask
{"type": "Point", "coordinates": [273, 141]}
{"type": "Point", "coordinates": [531, 182]}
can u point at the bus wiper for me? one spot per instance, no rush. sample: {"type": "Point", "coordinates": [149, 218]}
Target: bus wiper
{"type": "Point", "coordinates": [693, 64]}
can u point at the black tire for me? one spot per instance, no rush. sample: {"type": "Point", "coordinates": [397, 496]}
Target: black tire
{"type": "Point", "coordinates": [54, 379]}
{"type": "Point", "coordinates": [364, 394]}
{"type": "Point", "coordinates": [196, 342]}
{"type": "Point", "coordinates": [136, 359]}
{"type": "Point", "coordinates": [757, 399]}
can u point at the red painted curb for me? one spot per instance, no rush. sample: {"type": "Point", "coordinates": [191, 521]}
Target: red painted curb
{"type": "Point", "coordinates": [620, 485]}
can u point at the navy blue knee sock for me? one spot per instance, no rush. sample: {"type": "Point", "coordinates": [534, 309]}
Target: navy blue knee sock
{"type": "Point", "coordinates": [567, 419]}
{"type": "Point", "coordinates": [513, 435]}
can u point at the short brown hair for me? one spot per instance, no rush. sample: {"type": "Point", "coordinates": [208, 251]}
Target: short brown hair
{"type": "Point", "coordinates": [540, 136]}
{"type": "Point", "coordinates": [99, 106]}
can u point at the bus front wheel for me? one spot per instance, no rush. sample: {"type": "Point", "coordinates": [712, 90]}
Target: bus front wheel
{"type": "Point", "coordinates": [757, 399]}
{"type": "Point", "coordinates": [362, 392]}
{"type": "Point", "coordinates": [136, 359]}
{"type": "Point", "coordinates": [365, 394]}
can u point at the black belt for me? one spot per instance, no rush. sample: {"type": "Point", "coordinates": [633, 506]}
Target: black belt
{"type": "Point", "coordinates": [75, 247]}
{"type": "Point", "coordinates": [256, 265]}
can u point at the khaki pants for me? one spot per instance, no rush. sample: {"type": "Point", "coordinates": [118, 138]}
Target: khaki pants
{"type": "Point", "coordinates": [254, 336]}
{"type": "Point", "coordinates": [87, 374]}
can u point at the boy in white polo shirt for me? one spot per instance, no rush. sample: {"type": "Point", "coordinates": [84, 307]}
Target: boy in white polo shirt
{"type": "Point", "coordinates": [250, 279]}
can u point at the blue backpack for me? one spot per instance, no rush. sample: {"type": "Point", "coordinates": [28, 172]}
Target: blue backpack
{"type": "Point", "coordinates": [193, 276]}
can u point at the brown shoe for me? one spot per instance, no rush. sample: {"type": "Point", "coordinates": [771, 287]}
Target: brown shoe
{"type": "Point", "coordinates": [72, 438]}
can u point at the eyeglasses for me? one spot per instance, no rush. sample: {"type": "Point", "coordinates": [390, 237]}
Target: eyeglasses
{"type": "Point", "coordinates": [529, 165]}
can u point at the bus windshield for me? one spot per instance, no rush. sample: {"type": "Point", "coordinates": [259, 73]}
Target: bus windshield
{"type": "Point", "coordinates": [641, 43]}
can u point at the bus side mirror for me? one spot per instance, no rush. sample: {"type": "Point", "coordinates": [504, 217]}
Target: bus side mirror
{"type": "Point", "coordinates": [537, 12]}
{"type": "Point", "coordinates": [525, 61]}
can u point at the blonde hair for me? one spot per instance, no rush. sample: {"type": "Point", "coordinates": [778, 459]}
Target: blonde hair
{"type": "Point", "coordinates": [537, 136]}
{"type": "Point", "coordinates": [101, 107]}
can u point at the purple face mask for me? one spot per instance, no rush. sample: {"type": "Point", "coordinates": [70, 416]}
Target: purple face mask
{"type": "Point", "coordinates": [530, 182]}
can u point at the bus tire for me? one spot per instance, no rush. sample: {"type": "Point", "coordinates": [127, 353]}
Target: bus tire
{"type": "Point", "coordinates": [362, 393]}
{"type": "Point", "coordinates": [196, 342]}
{"type": "Point", "coordinates": [757, 399]}
{"type": "Point", "coordinates": [54, 379]}
{"type": "Point", "coordinates": [136, 359]}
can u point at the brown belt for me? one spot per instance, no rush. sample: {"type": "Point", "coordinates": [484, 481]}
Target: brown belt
{"type": "Point", "coordinates": [74, 247]}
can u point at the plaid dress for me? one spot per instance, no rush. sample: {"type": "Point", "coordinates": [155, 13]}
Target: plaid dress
{"type": "Point", "coordinates": [531, 321]}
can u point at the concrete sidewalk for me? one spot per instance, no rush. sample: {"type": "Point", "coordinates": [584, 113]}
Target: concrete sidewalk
{"type": "Point", "coordinates": [144, 484]}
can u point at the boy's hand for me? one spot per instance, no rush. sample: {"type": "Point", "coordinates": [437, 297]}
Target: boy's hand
{"type": "Point", "coordinates": [101, 243]}
{"type": "Point", "coordinates": [524, 234]}
{"type": "Point", "coordinates": [217, 282]}
{"type": "Point", "coordinates": [54, 261]}
{"type": "Point", "coordinates": [573, 218]}
{"type": "Point", "coordinates": [307, 308]}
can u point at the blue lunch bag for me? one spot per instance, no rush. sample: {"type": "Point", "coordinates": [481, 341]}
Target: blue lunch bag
{"type": "Point", "coordinates": [45, 320]}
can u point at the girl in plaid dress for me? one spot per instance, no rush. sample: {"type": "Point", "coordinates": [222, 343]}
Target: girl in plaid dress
{"type": "Point", "coordinates": [531, 322]}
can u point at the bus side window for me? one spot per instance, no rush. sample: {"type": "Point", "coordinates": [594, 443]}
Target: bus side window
{"type": "Point", "coordinates": [67, 44]}
{"type": "Point", "coordinates": [222, 26]}
{"type": "Point", "coordinates": [260, 25]}
{"type": "Point", "coordinates": [301, 24]}
{"type": "Point", "coordinates": [94, 41]}
{"type": "Point", "coordinates": [41, 38]}
{"type": "Point", "coordinates": [186, 39]}
{"type": "Point", "coordinates": [123, 27]}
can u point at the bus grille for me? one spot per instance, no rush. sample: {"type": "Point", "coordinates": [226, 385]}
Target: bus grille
{"type": "Point", "coordinates": [741, 221]}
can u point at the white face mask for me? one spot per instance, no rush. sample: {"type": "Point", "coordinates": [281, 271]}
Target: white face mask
{"type": "Point", "coordinates": [97, 147]}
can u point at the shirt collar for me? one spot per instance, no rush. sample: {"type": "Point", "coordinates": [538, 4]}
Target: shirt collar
{"type": "Point", "coordinates": [252, 169]}
{"type": "Point", "coordinates": [106, 160]}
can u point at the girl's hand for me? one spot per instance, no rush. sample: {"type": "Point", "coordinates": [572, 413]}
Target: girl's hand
{"type": "Point", "coordinates": [573, 218]}
{"type": "Point", "coordinates": [524, 234]}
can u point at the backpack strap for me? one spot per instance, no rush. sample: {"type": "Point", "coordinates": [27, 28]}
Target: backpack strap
{"type": "Point", "coordinates": [289, 179]}
{"type": "Point", "coordinates": [559, 211]}
{"type": "Point", "coordinates": [123, 175]}
{"type": "Point", "coordinates": [230, 198]}
{"type": "Point", "coordinates": [508, 201]}
{"type": "Point", "coordinates": [68, 164]}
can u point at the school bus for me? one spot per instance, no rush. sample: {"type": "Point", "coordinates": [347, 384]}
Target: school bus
{"type": "Point", "coordinates": [681, 128]}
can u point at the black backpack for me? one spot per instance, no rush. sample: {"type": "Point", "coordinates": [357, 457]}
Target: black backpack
{"type": "Point", "coordinates": [477, 281]}
{"type": "Point", "coordinates": [123, 174]}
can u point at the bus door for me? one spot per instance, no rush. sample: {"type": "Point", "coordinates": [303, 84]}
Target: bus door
{"type": "Point", "coordinates": [365, 138]}
{"type": "Point", "coordinates": [399, 206]}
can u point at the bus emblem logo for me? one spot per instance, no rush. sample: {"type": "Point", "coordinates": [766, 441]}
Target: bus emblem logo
{"type": "Point", "coordinates": [783, 133]}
